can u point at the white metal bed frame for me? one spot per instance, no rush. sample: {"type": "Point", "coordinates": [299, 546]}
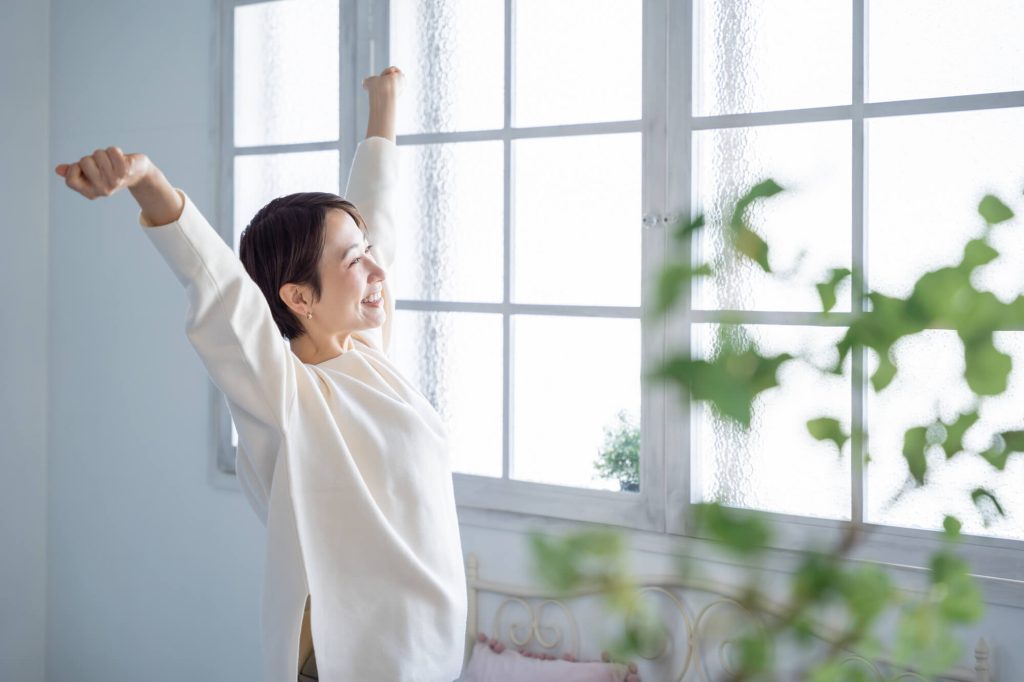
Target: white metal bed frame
{"type": "Point", "coordinates": [534, 603]}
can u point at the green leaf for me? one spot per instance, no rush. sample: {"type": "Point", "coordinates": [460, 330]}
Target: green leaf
{"type": "Point", "coordinates": [1007, 443]}
{"type": "Point", "coordinates": [997, 455]}
{"type": "Point", "coordinates": [755, 653]}
{"type": "Point", "coordinates": [730, 382]}
{"type": "Point", "coordinates": [978, 252]}
{"type": "Point", "coordinates": [884, 373]}
{"type": "Point", "coordinates": [993, 210]}
{"type": "Point", "coordinates": [763, 189]}
{"type": "Point", "coordinates": [685, 229]}
{"type": "Point", "coordinates": [672, 281]}
{"type": "Point", "coordinates": [987, 369]}
{"type": "Point", "coordinates": [925, 640]}
{"type": "Point", "coordinates": [951, 525]}
{"type": "Point", "coordinates": [915, 441]}
{"type": "Point", "coordinates": [959, 598]}
{"type": "Point", "coordinates": [827, 289]}
{"type": "Point", "coordinates": [986, 502]}
{"type": "Point", "coordinates": [828, 428]}
{"type": "Point", "coordinates": [743, 532]}
{"type": "Point", "coordinates": [866, 590]}
{"type": "Point", "coordinates": [955, 431]}
{"type": "Point", "coordinates": [1014, 440]}
{"type": "Point", "coordinates": [750, 244]}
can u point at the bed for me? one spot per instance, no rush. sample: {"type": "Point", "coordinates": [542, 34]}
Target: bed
{"type": "Point", "coordinates": [695, 617]}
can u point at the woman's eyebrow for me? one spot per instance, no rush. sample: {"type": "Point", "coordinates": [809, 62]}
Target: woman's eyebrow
{"type": "Point", "coordinates": [354, 246]}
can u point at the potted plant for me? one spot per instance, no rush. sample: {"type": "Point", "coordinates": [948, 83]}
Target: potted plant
{"type": "Point", "coordinates": [619, 457]}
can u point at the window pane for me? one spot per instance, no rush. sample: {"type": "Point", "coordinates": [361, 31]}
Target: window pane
{"type": "Point", "coordinates": [453, 52]}
{"type": "Point", "coordinates": [286, 72]}
{"type": "Point", "coordinates": [930, 383]}
{"type": "Point", "coordinates": [577, 61]}
{"type": "Point", "coordinates": [926, 175]}
{"type": "Point", "coordinates": [812, 217]}
{"type": "Point", "coordinates": [577, 223]}
{"type": "Point", "coordinates": [450, 222]}
{"type": "Point", "coordinates": [777, 466]}
{"type": "Point", "coordinates": [260, 178]}
{"type": "Point", "coordinates": [455, 360]}
{"type": "Point", "coordinates": [571, 377]}
{"type": "Point", "coordinates": [761, 55]}
{"type": "Point", "coordinates": [933, 48]}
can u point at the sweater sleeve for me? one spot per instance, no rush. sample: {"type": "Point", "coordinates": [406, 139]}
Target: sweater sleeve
{"type": "Point", "coordinates": [372, 187]}
{"type": "Point", "coordinates": [230, 325]}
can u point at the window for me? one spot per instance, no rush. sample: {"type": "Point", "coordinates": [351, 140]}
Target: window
{"type": "Point", "coordinates": [543, 157]}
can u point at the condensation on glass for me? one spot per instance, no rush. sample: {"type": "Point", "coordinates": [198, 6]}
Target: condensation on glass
{"type": "Point", "coordinates": [571, 377]}
{"type": "Point", "coordinates": [925, 178]}
{"type": "Point", "coordinates": [286, 72]}
{"type": "Point", "coordinates": [807, 227]}
{"type": "Point", "coordinates": [452, 52]}
{"type": "Point", "coordinates": [776, 466]}
{"type": "Point", "coordinates": [936, 48]}
{"type": "Point", "coordinates": [575, 233]}
{"type": "Point", "coordinates": [449, 222]}
{"type": "Point", "coordinates": [766, 55]}
{"type": "Point", "coordinates": [260, 178]}
{"type": "Point", "coordinates": [459, 370]}
{"type": "Point", "coordinates": [930, 383]}
{"type": "Point", "coordinates": [577, 61]}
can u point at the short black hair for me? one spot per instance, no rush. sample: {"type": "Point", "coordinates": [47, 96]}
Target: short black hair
{"type": "Point", "coordinates": [283, 244]}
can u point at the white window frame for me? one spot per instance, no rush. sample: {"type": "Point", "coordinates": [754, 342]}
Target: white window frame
{"type": "Point", "coordinates": [658, 512]}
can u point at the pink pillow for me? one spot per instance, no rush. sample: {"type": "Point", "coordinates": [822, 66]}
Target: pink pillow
{"type": "Point", "coordinates": [485, 665]}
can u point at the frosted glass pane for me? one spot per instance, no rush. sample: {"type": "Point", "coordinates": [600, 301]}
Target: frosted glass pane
{"type": "Point", "coordinates": [764, 55]}
{"type": "Point", "coordinates": [576, 237]}
{"type": "Point", "coordinates": [260, 178]}
{"type": "Point", "coordinates": [777, 466]}
{"type": "Point", "coordinates": [286, 72]}
{"type": "Point", "coordinates": [926, 175]}
{"type": "Point", "coordinates": [930, 382]}
{"type": "Point", "coordinates": [933, 48]}
{"type": "Point", "coordinates": [571, 376]}
{"type": "Point", "coordinates": [577, 61]}
{"type": "Point", "coordinates": [455, 360]}
{"type": "Point", "coordinates": [810, 160]}
{"type": "Point", "coordinates": [453, 54]}
{"type": "Point", "coordinates": [450, 221]}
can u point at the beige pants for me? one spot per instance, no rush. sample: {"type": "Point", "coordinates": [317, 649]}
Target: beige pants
{"type": "Point", "coordinates": [307, 657]}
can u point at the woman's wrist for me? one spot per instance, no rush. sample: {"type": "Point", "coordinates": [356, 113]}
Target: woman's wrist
{"type": "Point", "coordinates": [160, 202]}
{"type": "Point", "coordinates": [381, 122]}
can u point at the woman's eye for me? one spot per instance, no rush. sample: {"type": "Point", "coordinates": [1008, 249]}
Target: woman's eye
{"type": "Point", "coordinates": [356, 260]}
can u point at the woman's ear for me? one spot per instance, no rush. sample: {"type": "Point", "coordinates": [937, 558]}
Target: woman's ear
{"type": "Point", "coordinates": [296, 297]}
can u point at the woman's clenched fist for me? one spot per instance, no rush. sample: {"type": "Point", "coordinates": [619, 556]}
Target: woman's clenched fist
{"type": "Point", "coordinates": [104, 172]}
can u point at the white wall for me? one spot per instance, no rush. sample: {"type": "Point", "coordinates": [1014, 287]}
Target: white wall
{"type": "Point", "coordinates": [154, 573]}
{"type": "Point", "coordinates": [24, 118]}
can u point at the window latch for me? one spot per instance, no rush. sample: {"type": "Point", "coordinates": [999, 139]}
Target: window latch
{"type": "Point", "coordinates": [652, 220]}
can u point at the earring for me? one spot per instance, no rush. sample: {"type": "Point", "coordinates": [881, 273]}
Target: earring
{"type": "Point", "coordinates": [309, 314]}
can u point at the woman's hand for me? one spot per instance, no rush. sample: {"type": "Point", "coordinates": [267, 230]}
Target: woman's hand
{"type": "Point", "coordinates": [384, 91]}
{"type": "Point", "coordinates": [109, 170]}
{"type": "Point", "coordinates": [104, 172]}
{"type": "Point", "coordinates": [389, 84]}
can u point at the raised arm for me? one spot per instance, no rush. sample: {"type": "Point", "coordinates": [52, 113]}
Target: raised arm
{"type": "Point", "coordinates": [373, 178]}
{"type": "Point", "coordinates": [373, 186]}
{"type": "Point", "coordinates": [229, 322]}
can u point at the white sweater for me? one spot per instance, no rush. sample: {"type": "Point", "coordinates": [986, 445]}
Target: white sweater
{"type": "Point", "coordinates": [345, 462]}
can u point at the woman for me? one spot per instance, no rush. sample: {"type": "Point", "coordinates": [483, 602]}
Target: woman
{"type": "Point", "coordinates": [340, 456]}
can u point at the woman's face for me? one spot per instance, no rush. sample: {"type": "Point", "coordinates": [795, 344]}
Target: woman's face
{"type": "Point", "coordinates": [348, 274]}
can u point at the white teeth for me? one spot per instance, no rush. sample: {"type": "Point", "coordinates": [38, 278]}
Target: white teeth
{"type": "Point", "coordinates": [372, 299]}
